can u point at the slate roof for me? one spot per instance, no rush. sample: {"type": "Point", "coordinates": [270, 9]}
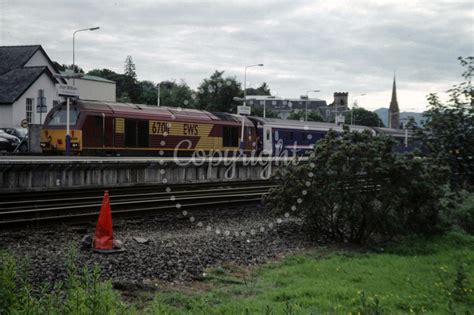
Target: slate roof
{"type": "Point", "coordinates": [12, 57]}
{"type": "Point", "coordinates": [15, 78]}
{"type": "Point", "coordinates": [89, 77]}
{"type": "Point", "coordinates": [16, 81]}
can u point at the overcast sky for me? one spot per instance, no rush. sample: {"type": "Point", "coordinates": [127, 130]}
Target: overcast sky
{"type": "Point", "coordinates": [332, 46]}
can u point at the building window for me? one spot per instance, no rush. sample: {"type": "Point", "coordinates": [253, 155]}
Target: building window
{"type": "Point", "coordinates": [29, 109]}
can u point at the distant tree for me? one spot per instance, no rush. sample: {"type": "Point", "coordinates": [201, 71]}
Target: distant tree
{"type": "Point", "coordinates": [312, 116]}
{"type": "Point", "coordinates": [148, 92]}
{"type": "Point", "coordinates": [58, 66]}
{"type": "Point", "coordinates": [65, 67]}
{"type": "Point", "coordinates": [126, 87]}
{"type": "Point", "coordinates": [258, 111]}
{"type": "Point", "coordinates": [449, 129]}
{"type": "Point", "coordinates": [363, 117]}
{"type": "Point", "coordinates": [129, 68]}
{"type": "Point", "coordinates": [217, 93]}
{"type": "Point", "coordinates": [124, 98]}
{"type": "Point", "coordinates": [261, 90]}
{"type": "Point", "coordinates": [177, 94]}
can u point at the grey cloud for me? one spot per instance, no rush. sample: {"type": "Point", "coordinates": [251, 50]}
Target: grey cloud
{"type": "Point", "coordinates": [350, 46]}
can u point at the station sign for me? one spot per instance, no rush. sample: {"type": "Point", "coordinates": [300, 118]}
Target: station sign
{"type": "Point", "coordinates": [243, 110]}
{"type": "Point", "coordinates": [67, 90]}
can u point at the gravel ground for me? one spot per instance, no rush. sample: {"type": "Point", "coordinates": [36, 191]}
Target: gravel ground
{"type": "Point", "coordinates": [180, 248]}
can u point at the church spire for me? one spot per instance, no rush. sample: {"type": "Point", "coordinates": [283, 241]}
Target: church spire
{"type": "Point", "coordinates": [394, 111]}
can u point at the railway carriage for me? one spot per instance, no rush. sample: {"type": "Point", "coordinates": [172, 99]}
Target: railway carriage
{"type": "Point", "coordinates": [103, 128]}
{"type": "Point", "coordinates": [291, 137]}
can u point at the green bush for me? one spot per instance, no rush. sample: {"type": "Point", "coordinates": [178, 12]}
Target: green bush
{"type": "Point", "coordinates": [81, 293]}
{"type": "Point", "coordinates": [463, 212]}
{"type": "Point", "coordinates": [355, 188]}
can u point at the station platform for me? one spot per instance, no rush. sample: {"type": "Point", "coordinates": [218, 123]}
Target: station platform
{"type": "Point", "coordinates": [49, 173]}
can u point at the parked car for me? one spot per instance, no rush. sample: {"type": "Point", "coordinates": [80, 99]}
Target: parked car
{"type": "Point", "coordinates": [5, 145]}
{"type": "Point", "coordinates": [22, 134]}
{"type": "Point", "coordinates": [13, 141]}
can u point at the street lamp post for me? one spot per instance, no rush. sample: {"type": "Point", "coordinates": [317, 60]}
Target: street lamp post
{"type": "Point", "coordinates": [68, 136]}
{"type": "Point", "coordinates": [74, 45]}
{"type": "Point", "coordinates": [306, 112]}
{"type": "Point", "coordinates": [352, 111]}
{"type": "Point", "coordinates": [245, 104]}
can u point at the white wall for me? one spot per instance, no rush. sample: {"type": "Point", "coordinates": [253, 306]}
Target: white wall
{"type": "Point", "coordinates": [95, 90]}
{"type": "Point", "coordinates": [39, 59]}
{"type": "Point", "coordinates": [19, 107]}
{"type": "Point", "coordinates": [5, 115]}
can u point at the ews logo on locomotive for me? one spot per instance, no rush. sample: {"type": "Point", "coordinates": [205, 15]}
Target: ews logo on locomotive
{"type": "Point", "coordinates": [175, 129]}
{"type": "Point", "coordinates": [190, 130]}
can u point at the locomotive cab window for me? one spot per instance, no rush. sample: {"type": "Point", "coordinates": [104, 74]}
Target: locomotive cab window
{"type": "Point", "coordinates": [59, 118]}
{"type": "Point", "coordinates": [230, 136]}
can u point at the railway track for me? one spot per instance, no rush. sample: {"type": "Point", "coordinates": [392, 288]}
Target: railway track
{"type": "Point", "coordinates": [77, 206]}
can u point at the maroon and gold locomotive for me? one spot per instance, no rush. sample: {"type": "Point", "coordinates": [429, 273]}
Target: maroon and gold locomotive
{"type": "Point", "coordinates": [104, 128]}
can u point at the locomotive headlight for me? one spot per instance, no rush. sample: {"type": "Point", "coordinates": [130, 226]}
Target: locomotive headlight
{"type": "Point", "coordinates": [75, 145]}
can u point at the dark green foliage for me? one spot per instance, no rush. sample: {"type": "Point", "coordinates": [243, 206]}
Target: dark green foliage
{"type": "Point", "coordinates": [177, 94]}
{"type": "Point", "coordinates": [81, 293]}
{"type": "Point", "coordinates": [217, 93]}
{"type": "Point", "coordinates": [258, 111]}
{"type": "Point", "coordinates": [449, 133]}
{"type": "Point", "coordinates": [76, 68]}
{"type": "Point", "coordinates": [460, 211]}
{"type": "Point", "coordinates": [361, 116]}
{"type": "Point", "coordinates": [129, 68]}
{"type": "Point", "coordinates": [354, 188]}
{"type": "Point", "coordinates": [261, 90]}
{"type": "Point", "coordinates": [312, 116]}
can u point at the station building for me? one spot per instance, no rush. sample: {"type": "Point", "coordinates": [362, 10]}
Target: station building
{"type": "Point", "coordinates": [285, 106]}
{"type": "Point", "coordinates": [28, 85]}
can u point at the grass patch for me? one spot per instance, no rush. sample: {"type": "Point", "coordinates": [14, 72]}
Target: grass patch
{"type": "Point", "coordinates": [416, 275]}
{"type": "Point", "coordinates": [433, 276]}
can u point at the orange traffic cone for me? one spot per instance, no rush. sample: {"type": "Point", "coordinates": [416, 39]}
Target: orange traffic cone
{"type": "Point", "coordinates": [104, 237]}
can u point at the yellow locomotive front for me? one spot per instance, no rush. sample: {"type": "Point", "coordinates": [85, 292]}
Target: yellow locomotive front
{"type": "Point", "coordinates": [53, 133]}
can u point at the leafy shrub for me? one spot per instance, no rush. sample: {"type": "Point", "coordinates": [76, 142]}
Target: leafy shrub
{"type": "Point", "coordinates": [81, 293]}
{"type": "Point", "coordinates": [463, 213]}
{"type": "Point", "coordinates": [354, 187]}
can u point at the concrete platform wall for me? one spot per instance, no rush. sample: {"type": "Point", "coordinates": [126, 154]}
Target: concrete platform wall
{"type": "Point", "coordinates": [23, 175]}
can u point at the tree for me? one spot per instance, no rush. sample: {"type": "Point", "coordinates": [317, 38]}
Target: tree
{"type": "Point", "coordinates": [148, 92]}
{"type": "Point", "coordinates": [217, 93]}
{"type": "Point", "coordinates": [124, 85]}
{"type": "Point", "coordinates": [177, 94]}
{"type": "Point", "coordinates": [312, 116]}
{"type": "Point", "coordinates": [355, 188]}
{"type": "Point", "coordinates": [448, 133]}
{"type": "Point", "coordinates": [261, 90]}
{"type": "Point", "coordinates": [258, 111]}
{"type": "Point", "coordinates": [129, 68]}
{"type": "Point", "coordinates": [363, 117]}
{"type": "Point", "coordinates": [65, 67]}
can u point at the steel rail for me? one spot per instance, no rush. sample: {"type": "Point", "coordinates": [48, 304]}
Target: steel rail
{"type": "Point", "coordinates": [119, 203]}
{"type": "Point", "coordinates": [221, 194]}
{"type": "Point", "coordinates": [83, 200]}
{"type": "Point", "coordinates": [125, 212]}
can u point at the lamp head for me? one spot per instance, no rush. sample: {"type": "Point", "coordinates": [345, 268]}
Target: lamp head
{"type": "Point", "coordinates": [94, 28]}
{"type": "Point", "coordinates": [260, 65]}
